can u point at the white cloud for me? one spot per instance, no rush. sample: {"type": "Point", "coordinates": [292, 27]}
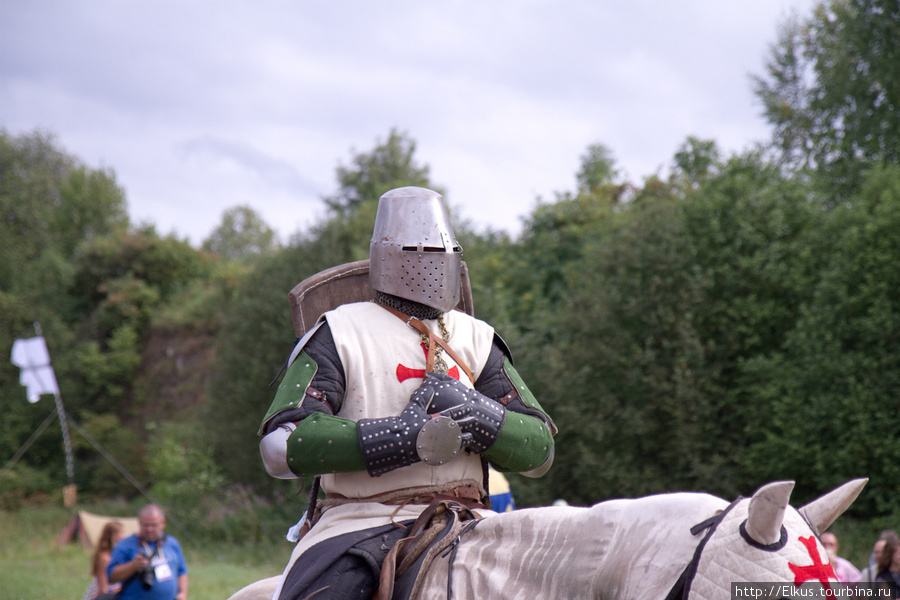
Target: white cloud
{"type": "Point", "coordinates": [200, 106]}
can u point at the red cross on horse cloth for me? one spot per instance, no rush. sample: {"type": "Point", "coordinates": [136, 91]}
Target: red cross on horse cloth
{"type": "Point", "coordinates": [404, 372]}
{"type": "Point", "coordinates": [818, 571]}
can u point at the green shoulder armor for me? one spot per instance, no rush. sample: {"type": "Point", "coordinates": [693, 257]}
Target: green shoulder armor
{"type": "Point", "coordinates": [293, 387]}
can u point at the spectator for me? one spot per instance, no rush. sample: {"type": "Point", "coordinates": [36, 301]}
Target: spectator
{"type": "Point", "coordinates": [888, 576]}
{"type": "Point", "coordinates": [843, 568]}
{"type": "Point", "coordinates": [868, 574]}
{"type": "Point", "coordinates": [149, 564]}
{"type": "Point", "coordinates": [100, 588]}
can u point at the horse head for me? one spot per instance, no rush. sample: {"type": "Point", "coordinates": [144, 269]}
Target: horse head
{"type": "Point", "coordinates": [764, 539]}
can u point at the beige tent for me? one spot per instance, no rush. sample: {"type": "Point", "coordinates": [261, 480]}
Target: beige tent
{"type": "Point", "coordinates": [87, 527]}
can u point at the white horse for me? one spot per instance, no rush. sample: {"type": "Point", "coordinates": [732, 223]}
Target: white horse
{"type": "Point", "coordinates": [680, 545]}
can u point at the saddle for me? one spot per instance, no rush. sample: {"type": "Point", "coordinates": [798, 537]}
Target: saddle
{"type": "Point", "coordinates": [436, 531]}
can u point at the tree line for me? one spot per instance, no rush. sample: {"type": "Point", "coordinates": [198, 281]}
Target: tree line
{"type": "Point", "coordinates": [733, 322]}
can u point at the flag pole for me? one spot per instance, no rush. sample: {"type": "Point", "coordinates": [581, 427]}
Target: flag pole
{"type": "Point", "coordinates": [70, 492]}
{"type": "Point", "coordinates": [33, 358]}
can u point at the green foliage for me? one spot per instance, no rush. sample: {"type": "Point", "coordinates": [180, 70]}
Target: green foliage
{"type": "Point", "coordinates": [182, 473]}
{"type": "Point", "coordinates": [597, 169]}
{"type": "Point", "coordinates": [120, 282]}
{"type": "Point", "coordinates": [104, 376]}
{"type": "Point", "coordinates": [695, 161]}
{"type": "Point", "coordinates": [831, 391]}
{"type": "Point", "coordinates": [21, 483]}
{"type": "Point", "coordinates": [660, 302]}
{"type": "Point", "coordinates": [49, 202]}
{"type": "Point", "coordinates": [712, 331]}
{"type": "Point", "coordinates": [831, 91]}
{"type": "Point", "coordinates": [389, 165]}
{"type": "Point", "coordinates": [242, 233]}
{"type": "Point", "coordinates": [628, 351]}
{"type": "Point", "coordinates": [202, 302]}
{"type": "Point", "coordinates": [95, 475]}
{"type": "Point", "coordinates": [91, 204]}
{"type": "Point", "coordinates": [165, 264]}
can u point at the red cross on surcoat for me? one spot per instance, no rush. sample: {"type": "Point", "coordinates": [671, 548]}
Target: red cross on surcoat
{"type": "Point", "coordinates": [404, 372]}
{"type": "Point", "coordinates": [818, 571]}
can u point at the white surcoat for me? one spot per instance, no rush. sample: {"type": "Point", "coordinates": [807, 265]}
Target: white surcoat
{"type": "Point", "coordinates": [384, 362]}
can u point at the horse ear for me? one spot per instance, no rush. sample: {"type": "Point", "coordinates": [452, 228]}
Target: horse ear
{"type": "Point", "coordinates": [822, 513]}
{"type": "Point", "coordinates": [766, 511]}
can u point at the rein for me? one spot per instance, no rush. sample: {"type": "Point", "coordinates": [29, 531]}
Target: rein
{"type": "Point", "coordinates": [682, 586]}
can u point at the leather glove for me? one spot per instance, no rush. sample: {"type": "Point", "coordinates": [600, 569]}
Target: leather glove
{"type": "Point", "coordinates": [479, 417]}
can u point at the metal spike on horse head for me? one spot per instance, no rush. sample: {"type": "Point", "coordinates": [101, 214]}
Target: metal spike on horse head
{"type": "Point", "coordinates": [688, 546]}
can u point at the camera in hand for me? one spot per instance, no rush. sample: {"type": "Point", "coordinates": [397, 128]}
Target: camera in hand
{"type": "Point", "coordinates": [147, 577]}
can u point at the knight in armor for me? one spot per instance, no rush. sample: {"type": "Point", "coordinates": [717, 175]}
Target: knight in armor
{"type": "Point", "coordinates": [395, 403]}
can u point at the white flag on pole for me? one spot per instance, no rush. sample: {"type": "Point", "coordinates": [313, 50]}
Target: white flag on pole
{"type": "Point", "coordinates": [37, 375]}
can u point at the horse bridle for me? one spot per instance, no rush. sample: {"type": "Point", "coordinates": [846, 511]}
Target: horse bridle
{"type": "Point", "coordinates": [682, 586]}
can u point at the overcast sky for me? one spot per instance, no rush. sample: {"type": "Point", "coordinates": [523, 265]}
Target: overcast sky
{"type": "Point", "coordinates": [199, 106]}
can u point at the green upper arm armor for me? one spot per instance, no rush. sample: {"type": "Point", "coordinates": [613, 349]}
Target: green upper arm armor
{"type": "Point", "coordinates": [293, 387]}
{"type": "Point", "coordinates": [321, 443]}
{"type": "Point", "coordinates": [525, 442]}
{"type": "Point", "coordinates": [525, 394]}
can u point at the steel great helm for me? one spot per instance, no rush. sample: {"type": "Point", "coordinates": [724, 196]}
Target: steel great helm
{"type": "Point", "coordinates": [414, 253]}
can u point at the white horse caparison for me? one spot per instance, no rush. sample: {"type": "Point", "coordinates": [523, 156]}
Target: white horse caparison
{"type": "Point", "coordinates": [635, 549]}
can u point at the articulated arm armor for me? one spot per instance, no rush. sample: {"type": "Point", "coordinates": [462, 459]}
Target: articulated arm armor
{"type": "Point", "coordinates": [302, 435]}
{"type": "Point", "coordinates": [525, 442]}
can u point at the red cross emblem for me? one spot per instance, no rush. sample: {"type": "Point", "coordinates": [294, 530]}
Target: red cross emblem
{"type": "Point", "coordinates": [818, 571]}
{"type": "Point", "coordinates": [404, 372]}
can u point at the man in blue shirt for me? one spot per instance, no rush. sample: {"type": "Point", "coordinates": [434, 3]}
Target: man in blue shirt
{"type": "Point", "coordinates": [150, 564]}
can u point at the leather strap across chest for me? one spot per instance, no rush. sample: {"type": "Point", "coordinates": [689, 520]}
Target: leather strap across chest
{"type": "Point", "coordinates": [432, 340]}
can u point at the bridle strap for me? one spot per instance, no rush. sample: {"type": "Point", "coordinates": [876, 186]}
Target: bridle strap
{"type": "Point", "coordinates": [682, 587]}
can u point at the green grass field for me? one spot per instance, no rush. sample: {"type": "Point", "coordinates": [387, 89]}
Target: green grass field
{"type": "Point", "coordinates": [34, 567]}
